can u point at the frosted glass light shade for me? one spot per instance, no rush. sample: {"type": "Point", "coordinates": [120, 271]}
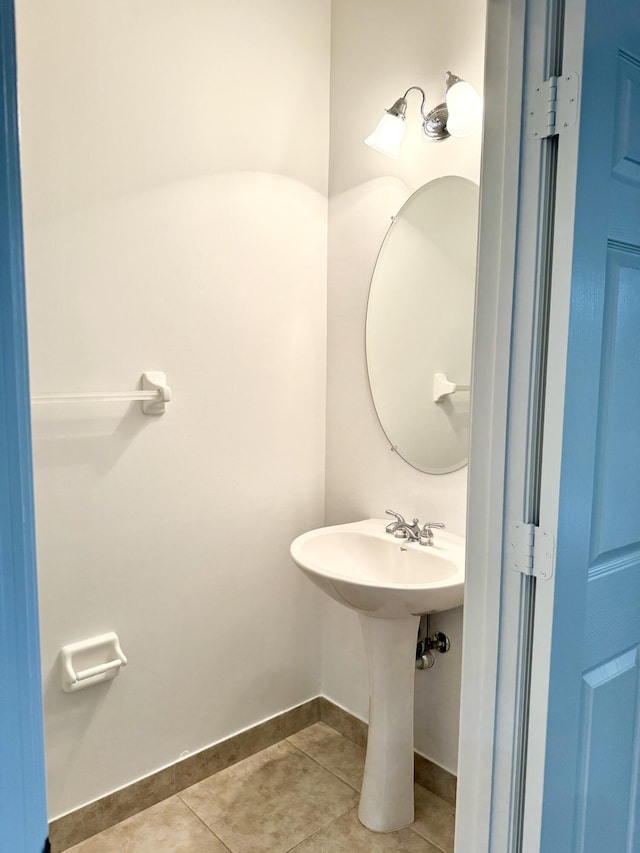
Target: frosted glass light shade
{"type": "Point", "coordinates": [465, 109]}
{"type": "Point", "coordinates": [388, 135]}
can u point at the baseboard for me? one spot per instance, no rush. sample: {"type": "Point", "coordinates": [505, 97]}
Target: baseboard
{"type": "Point", "coordinates": [78, 825]}
{"type": "Point", "coordinates": [99, 815]}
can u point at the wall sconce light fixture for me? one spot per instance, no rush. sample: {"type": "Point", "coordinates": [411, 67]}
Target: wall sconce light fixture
{"type": "Point", "coordinates": [458, 115]}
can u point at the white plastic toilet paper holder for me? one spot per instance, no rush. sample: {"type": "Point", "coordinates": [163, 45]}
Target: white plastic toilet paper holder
{"type": "Point", "coordinates": [74, 657]}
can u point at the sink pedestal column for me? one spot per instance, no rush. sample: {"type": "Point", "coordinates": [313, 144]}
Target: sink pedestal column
{"type": "Point", "coordinates": [386, 801]}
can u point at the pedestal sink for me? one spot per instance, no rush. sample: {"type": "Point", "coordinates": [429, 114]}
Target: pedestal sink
{"type": "Point", "coordinates": [390, 583]}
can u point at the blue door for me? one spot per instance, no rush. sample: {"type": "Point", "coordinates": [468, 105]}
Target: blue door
{"type": "Point", "coordinates": [590, 799]}
{"type": "Point", "coordinates": [23, 816]}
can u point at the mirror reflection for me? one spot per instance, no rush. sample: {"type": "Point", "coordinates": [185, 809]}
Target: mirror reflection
{"type": "Point", "coordinates": [419, 325]}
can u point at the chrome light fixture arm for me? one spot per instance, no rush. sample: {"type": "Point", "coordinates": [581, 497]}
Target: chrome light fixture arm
{"type": "Point", "coordinates": [434, 122]}
{"type": "Point", "coordinates": [424, 98]}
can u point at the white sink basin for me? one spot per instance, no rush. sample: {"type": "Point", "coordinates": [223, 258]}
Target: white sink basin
{"type": "Point", "coordinates": [364, 568]}
{"type": "Point", "coordinates": [390, 582]}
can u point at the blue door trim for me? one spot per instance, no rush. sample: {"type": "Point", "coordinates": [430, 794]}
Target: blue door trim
{"type": "Point", "coordinates": [23, 814]}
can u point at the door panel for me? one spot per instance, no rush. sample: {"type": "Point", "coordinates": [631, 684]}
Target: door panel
{"type": "Point", "coordinates": [608, 753]}
{"type": "Point", "coordinates": [590, 800]}
{"type": "Point", "coordinates": [627, 129]}
{"type": "Point", "coordinates": [615, 519]}
{"type": "Point", "coordinates": [613, 603]}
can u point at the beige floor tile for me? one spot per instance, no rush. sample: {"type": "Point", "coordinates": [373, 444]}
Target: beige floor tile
{"type": "Point", "coordinates": [270, 802]}
{"type": "Point", "coordinates": [435, 819]}
{"type": "Point", "coordinates": [334, 751]}
{"type": "Point", "coordinates": [348, 835]}
{"type": "Point", "coordinates": [168, 827]}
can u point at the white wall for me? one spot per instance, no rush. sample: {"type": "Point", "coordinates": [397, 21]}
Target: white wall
{"type": "Point", "coordinates": [378, 50]}
{"type": "Point", "coordinates": [174, 176]}
{"type": "Point", "coordinates": [175, 162]}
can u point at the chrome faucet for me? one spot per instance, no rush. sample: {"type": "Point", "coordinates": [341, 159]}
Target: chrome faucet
{"type": "Point", "coordinates": [425, 537]}
{"type": "Point", "coordinates": [401, 529]}
{"type": "Point", "coordinates": [408, 531]}
{"type": "Point", "coordinates": [393, 525]}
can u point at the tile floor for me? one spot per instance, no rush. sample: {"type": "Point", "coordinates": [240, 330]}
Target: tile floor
{"type": "Point", "coordinates": [300, 794]}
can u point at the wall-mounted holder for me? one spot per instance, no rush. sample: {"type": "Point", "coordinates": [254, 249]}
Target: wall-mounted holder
{"type": "Point", "coordinates": [154, 394]}
{"type": "Point", "coordinates": [155, 380]}
{"type": "Point", "coordinates": [74, 657]}
{"type": "Point", "coordinates": [443, 388]}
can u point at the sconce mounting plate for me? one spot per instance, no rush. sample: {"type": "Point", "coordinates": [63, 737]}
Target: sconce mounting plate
{"type": "Point", "coordinates": [435, 124]}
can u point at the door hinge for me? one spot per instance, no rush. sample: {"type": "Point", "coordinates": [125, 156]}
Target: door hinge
{"type": "Point", "coordinates": [532, 550]}
{"type": "Point", "coordinates": [552, 106]}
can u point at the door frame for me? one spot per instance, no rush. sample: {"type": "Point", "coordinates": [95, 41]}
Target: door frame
{"type": "Point", "coordinates": [23, 812]}
{"type": "Point", "coordinates": [479, 733]}
{"type": "Point", "coordinates": [573, 53]}
{"type": "Point", "coordinates": [507, 619]}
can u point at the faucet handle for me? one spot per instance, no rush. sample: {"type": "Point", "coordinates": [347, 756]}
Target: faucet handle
{"type": "Point", "coordinates": [426, 534]}
{"type": "Point", "coordinates": [390, 528]}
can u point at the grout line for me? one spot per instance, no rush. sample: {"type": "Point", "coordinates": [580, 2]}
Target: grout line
{"type": "Point", "coordinates": [195, 814]}
{"type": "Point", "coordinates": [302, 752]}
{"type": "Point", "coordinates": [430, 840]}
{"type": "Point", "coordinates": [318, 830]}
{"type": "Point", "coordinates": [333, 773]}
{"type": "Point", "coordinates": [324, 767]}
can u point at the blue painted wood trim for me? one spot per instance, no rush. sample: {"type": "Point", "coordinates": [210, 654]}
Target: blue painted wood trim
{"type": "Point", "coordinates": [23, 813]}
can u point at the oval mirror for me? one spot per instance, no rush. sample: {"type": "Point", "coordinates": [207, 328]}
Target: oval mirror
{"type": "Point", "coordinates": [419, 325]}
